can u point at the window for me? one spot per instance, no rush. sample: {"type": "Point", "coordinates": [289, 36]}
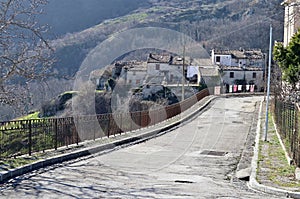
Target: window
{"type": "Point", "coordinates": [130, 81]}
{"type": "Point", "coordinates": [218, 58]}
{"type": "Point", "coordinates": [138, 81]}
{"type": "Point", "coordinates": [157, 66]}
{"type": "Point", "coordinates": [231, 74]}
{"type": "Point", "coordinates": [134, 73]}
{"type": "Point", "coordinates": [254, 75]}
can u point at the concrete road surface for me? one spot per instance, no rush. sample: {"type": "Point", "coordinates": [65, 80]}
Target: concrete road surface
{"type": "Point", "coordinates": [195, 160]}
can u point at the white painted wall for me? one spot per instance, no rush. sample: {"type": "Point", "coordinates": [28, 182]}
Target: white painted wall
{"type": "Point", "coordinates": [225, 60]}
{"type": "Point", "coordinates": [288, 24]}
{"type": "Point", "coordinates": [173, 73]}
{"type": "Point", "coordinates": [258, 81]}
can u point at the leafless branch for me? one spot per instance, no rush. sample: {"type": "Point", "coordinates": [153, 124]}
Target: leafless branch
{"type": "Point", "coordinates": [25, 54]}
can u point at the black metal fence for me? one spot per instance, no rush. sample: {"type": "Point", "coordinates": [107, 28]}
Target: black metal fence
{"type": "Point", "coordinates": [29, 136]}
{"type": "Point", "coordinates": [287, 120]}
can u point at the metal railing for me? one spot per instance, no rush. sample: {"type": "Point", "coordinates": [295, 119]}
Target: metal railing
{"type": "Point", "coordinates": [286, 116]}
{"type": "Point", "coordinates": [28, 136]}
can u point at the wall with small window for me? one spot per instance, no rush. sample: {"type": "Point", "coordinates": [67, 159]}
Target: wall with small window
{"type": "Point", "coordinates": [135, 78]}
{"type": "Point", "coordinates": [155, 68]}
{"type": "Point", "coordinates": [222, 60]}
{"type": "Point", "coordinates": [253, 77]}
{"type": "Point", "coordinates": [229, 77]}
{"type": "Point", "coordinates": [171, 73]}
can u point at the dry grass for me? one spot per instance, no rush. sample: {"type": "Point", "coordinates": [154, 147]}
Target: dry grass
{"type": "Point", "coordinates": [273, 168]}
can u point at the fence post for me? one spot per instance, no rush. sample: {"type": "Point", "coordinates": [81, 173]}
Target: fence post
{"type": "Point", "coordinates": [108, 126]}
{"type": "Point", "coordinates": [55, 133]}
{"type": "Point", "coordinates": [294, 133]}
{"type": "Point", "coordinates": [290, 126]}
{"type": "Point", "coordinates": [76, 130]}
{"type": "Point", "coordinates": [121, 124]}
{"type": "Point", "coordinates": [284, 116]}
{"type": "Point", "coordinates": [29, 138]}
{"type": "Point", "coordinates": [292, 141]}
{"type": "Point", "coordinates": [94, 130]}
{"type": "Point", "coordinates": [131, 121]}
{"type": "Point", "coordinates": [140, 120]}
{"type": "Point", "coordinates": [282, 119]}
{"type": "Point", "coordinates": [297, 136]}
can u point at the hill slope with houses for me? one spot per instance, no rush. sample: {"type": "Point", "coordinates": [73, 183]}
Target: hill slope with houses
{"type": "Point", "coordinates": [229, 24]}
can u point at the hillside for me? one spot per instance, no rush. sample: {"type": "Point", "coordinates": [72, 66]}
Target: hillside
{"type": "Point", "coordinates": [69, 16]}
{"type": "Point", "coordinates": [213, 23]}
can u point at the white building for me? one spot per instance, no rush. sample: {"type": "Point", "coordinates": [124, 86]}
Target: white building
{"type": "Point", "coordinates": [134, 73]}
{"type": "Point", "coordinates": [167, 69]}
{"type": "Point", "coordinates": [240, 67]}
{"type": "Point", "coordinates": [291, 19]}
{"type": "Point", "coordinates": [239, 76]}
{"type": "Point", "coordinates": [240, 58]}
{"type": "Point", "coordinates": [209, 73]}
{"type": "Point", "coordinates": [158, 68]}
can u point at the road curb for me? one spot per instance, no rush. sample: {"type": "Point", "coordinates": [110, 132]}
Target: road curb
{"type": "Point", "coordinates": [253, 184]}
{"type": "Point", "coordinates": [135, 139]}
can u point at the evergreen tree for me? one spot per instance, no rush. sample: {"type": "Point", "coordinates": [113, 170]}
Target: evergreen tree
{"type": "Point", "coordinates": [288, 59]}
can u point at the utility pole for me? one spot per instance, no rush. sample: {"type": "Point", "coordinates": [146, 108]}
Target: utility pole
{"type": "Point", "coordinates": [183, 63]}
{"type": "Point", "coordinates": [268, 87]}
{"type": "Point", "coordinates": [265, 76]}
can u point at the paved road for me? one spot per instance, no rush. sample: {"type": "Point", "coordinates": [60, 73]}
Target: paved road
{"type": "Point", "coordinates": [195, 160]}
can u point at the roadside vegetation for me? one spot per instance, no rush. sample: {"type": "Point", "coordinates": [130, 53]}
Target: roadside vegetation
{"type": "Point", "coordinates": [273, 168]}
{"type": "Point", "coordinates": [288, 59]}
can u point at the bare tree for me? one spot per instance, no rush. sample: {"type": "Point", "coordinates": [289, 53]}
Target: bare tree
{"type": "Point", "coordinates": [24, 52]}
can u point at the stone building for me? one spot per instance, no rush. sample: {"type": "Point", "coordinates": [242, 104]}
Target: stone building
{"type": "Point", "coordinates": [134, 73]}
{"type": "Point", "coordinates": [167, 69]}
